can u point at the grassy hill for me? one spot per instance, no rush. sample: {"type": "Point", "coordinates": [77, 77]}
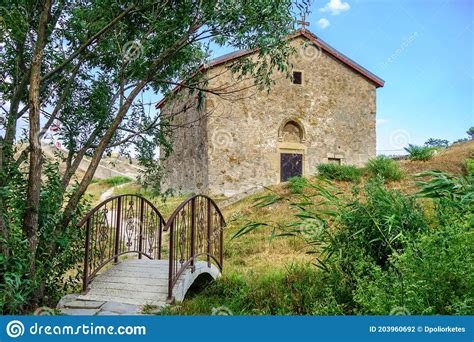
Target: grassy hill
{"type": "Point", "coordinates": [277, 276]}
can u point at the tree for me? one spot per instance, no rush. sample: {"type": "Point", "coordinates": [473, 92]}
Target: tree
{"type": "Point", "coordinates": [87, 65]}
{"type": "Point", "coordinates": [470, 132]}
{"type": "Point", "coordinates": [431, 142]}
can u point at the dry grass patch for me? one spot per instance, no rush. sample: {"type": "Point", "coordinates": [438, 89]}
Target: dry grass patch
{"type": "Point", "coordinates": [450, 160]}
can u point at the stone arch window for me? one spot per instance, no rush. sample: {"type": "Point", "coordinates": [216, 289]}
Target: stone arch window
{"type": "Point", "coordinates": [291, 130]}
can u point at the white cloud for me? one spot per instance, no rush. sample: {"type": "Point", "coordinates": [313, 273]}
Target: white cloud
{"type": "Point", "coordinates": [381, 121]}
{"type": "Point", "coordinates": [335, 7]}
{"type": "Point", "coordinates": [323, 23]}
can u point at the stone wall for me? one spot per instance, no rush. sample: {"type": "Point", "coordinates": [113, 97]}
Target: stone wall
{"type": "Point", "coordinates": [335, 107]}
{"type": "Point", "coordinates": [186, 167]}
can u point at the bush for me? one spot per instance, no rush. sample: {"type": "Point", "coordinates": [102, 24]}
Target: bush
{"type": "Point", "coordinates": [116, 180]}
{"type": "Point", "coordinates": [58, 254]}
{"type": "Point", "coordinates": [384, 167]}
{"type": "Point", "coordinates": [435, 272]}
{"type": "Point", "coordinates": [297, 184]}
{"type": "Point", "coordinates": [339, 172]}
{"type": "Point", "coordinates": [298, 289]}
{"type": "Point", "coordinates": [379, 251]}
{"type": "Point", "coordinates": [376, 224]}
{"type": "Point", "coordinates": [422, 153]}
{"type": "Point", "coordinates": [434, 276]}
{"type": "Point", "coordinates": [440, 143]}
{"type": "Point", "coordinates": [470, 166]}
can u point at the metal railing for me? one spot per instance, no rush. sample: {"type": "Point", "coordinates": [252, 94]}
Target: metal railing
{"type": "Point", "coordinates": [120, 225]}
{"type": "Point", "coordinates": [196, 231]}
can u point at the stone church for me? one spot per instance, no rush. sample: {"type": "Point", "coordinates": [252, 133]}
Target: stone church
{"type": "Point", "coordinates": [324, 114]}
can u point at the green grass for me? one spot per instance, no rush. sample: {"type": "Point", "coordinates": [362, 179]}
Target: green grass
{"type": "Point", "coordinates": [348, 173]}
{"type": "Point", "coordinates": [470, 166]}
{"type": "Point", "coordinates": [384, 167]}
{"type": "Point", "coordinates": [295, 289]}
{"type": "Point", "coordinates": [297, 184]}
{"type": "Point", "coordinates": [422, 153]}
{"type": "Point", "coordinates": [116, 180]}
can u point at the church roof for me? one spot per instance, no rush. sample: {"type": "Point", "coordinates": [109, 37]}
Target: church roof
{"type": "Point", "coordinates": [300, 33]}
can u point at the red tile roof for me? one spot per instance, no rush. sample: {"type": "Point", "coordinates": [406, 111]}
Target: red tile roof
{"type": "Point", "coordinates": [311, 37]}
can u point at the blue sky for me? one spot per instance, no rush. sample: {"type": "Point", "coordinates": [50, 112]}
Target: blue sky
{"type": "Point", "coordinates": [424, 52]}
{"type": "Point", "coordinates": [423, 49]}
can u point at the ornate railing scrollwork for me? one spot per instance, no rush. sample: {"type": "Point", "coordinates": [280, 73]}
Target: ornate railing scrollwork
{"type": "Point", "coordinates": [121, 224]}
{"type": "Point", "coordinates": [196, 231]}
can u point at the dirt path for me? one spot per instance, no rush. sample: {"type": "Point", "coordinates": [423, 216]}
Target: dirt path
{"type": "Point", "coordinates": [109, 192]}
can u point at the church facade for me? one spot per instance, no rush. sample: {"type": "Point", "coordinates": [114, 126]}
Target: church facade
{"type": "Point", "coordinates": [325, 114]}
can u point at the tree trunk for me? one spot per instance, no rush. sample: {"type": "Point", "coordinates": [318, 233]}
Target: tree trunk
{"type": "Point", "coordinates": [76, 197]}
{"type": "Point", "coordinates": [30, 222]}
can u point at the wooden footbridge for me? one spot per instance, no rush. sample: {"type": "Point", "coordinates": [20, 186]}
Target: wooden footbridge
{"type": "Point", "coordinates": [133, 256]}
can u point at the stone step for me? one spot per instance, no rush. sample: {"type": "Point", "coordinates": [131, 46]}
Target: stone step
{"type": "Point", "coordinates": [127, 287]}
{"type": "Point", "coordinates": [145, 274]}
{"type": "Point", "coordinates": [83, 304]}
{"type": "Point", "coordinates": [122, 291]}
{"type": "Point", "coordinates": [143, 263]}
{"type": "Point", "coordinates": [150, 262]}
{"type": "Point", "coordinates": [127, 300]}
{"type": "Point", "coordinates": [126, 279]}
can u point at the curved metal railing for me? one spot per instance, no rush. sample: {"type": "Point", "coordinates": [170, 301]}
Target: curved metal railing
{"type": "Point", "coordinates": [121, 224]}
{"type": "Point", "coordinates": [196, 231]}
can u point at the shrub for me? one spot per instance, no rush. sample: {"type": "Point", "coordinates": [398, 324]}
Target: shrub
{"type": "Point", "coordinates": [460, 141]}
{"type": "Point", "coordinates": [380, 252]}
{"type": "Point", "coordinates": [440, 143]}
{"type": "Point", "coordinates": [384, 167]}
{"type": "Point", "coordinates": [298, 289]}
{"type": "Point", "coordinates": [470, 132]}
{"type": "Point", "coordinates": [434, 275]}
{"type": "Point", "coordinates": [376, 224]}
{"type": "Point", "coordinates": [116, 180]}
{"type": "Point", "coordinates": [58, 253]}
{"type": "Point", "coordinates": [422, 153]}
{"type": "Point", "coordinates": [339, 172]}
{"type": "Point", "coordinates": [297, 184]}
{"type": "Point", "coordinates": [470, 166]}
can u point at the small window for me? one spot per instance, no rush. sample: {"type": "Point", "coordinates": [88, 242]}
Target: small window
{"type": "Point", "coordinates": [297, 77]}
{"type": "Point", "coordinates": [336, 161]}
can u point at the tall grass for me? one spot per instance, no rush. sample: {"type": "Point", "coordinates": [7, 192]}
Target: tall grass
{"type": "Point", "coordinates": [116, 180]}
{"type": "Point", "coordinates": [381, 252]}
{"type": "Point", "coordinates": [293, 290]}
{"type": "Point", "coordinates": [297, 184]}
{"type": "Point", "coordinates": [422, 153]}
{"type": "Point", "coordinates": [384, 167]}
{"type": "Point", "coordinates": [348, 173]}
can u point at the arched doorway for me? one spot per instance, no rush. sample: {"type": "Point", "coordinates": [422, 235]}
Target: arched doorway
{"type": "Point", "coordinates": [291, 137]}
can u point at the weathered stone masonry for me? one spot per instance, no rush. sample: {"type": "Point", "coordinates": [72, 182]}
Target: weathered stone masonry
{"type": "Point", "coordinates": [330, 117]}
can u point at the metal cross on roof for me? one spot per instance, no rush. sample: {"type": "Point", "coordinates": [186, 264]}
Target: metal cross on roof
{"type": "Point", "coordinates": [303, 22]}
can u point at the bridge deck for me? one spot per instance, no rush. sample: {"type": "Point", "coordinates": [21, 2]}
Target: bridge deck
{"type": "Point", "coordinates": [142, 282]}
